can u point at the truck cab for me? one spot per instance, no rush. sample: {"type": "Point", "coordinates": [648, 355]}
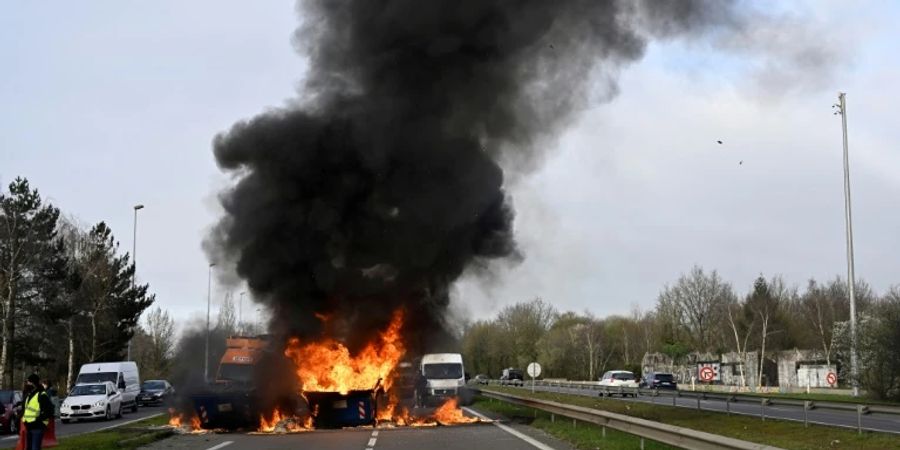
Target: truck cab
{"type": "Point", "coordinates": [241, 355]}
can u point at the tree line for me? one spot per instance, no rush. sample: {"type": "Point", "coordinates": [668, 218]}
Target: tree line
{"type": "Point", "coordinates": [67, 294]}
{"type": "Point", "coordinates": [698, 313]}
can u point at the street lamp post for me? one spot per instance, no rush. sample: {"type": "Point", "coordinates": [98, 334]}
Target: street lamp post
{"type": "Point", "coordinates": [208, 297]}
{"type": "Point", "coordinates": [134, 261]}
{"type": "Point", "coordinates": [854, 368]}
{"type": "Point", "coordinates": [240, 313]}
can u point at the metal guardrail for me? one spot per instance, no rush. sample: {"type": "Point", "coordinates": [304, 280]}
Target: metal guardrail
{"type": "Point", "coordinates": [859, 408]}
{"type": "Point", "coordinates": [668, 434]}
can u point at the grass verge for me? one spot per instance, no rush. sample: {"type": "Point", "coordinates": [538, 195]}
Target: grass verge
{"type": "Point", "coordinates": [785, 434]}
{"type": "Point", "coordinates": [581, 435]}
{"type": "Point", "coordinates": [127, 437]}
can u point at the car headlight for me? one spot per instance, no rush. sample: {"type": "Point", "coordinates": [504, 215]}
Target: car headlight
{"type": "Point", "coordinates": [100, 404]}
{"type": "Point", "coordinates": [158, 394]}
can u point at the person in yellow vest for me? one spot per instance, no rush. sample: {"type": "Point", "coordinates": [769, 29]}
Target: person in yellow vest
{"type": "Point", "coordinates": [38, 413]}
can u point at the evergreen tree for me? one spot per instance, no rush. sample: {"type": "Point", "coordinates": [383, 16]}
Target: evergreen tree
{"type": "Point", "coordinates": [27, 237]}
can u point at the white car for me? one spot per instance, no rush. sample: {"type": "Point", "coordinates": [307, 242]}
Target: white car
{"type": "Point", "coordinates": [618, 378]}
{"type": "Point", "coordinates": [92, 401]}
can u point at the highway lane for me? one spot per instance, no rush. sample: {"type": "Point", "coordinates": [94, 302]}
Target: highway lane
{"type": "Point", "coordinates": [887, 423]}
{"type": "Point", "coordinates": [461, 437]}
{"type": "Point", "coordinates": [73, 428]}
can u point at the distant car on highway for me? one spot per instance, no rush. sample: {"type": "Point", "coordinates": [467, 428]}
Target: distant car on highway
{"type": "Point", "coordinates": [155, 391]}
{"type": "Point", "coordinates": [92, 401]}
{"type": "Point", "coordinates": [512, 376]}
{"type": "Point", "coordinates": [11, 402]}
{"type": "Point", "coordinates": [659, 380]}
{"type": "Point", "coordinates": [618, 378]}
{"type": "Point", "coordinates": [481, 379]}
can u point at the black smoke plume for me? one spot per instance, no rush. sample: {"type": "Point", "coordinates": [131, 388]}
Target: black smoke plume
{"type": "Point", "coordinates": [383, 182]}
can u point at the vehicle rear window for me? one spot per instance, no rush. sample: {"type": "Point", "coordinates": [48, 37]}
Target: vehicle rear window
{"type": "Point", "coordinates": [89, 389]}
{"type": "Point", "coordinates": [623, 376]}
{"type": "Point", "coordinates": [97, 377]}
{"type": "Point", "coordinates": [664, 377]}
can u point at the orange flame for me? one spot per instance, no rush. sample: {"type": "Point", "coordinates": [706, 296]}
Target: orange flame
{"type": "Point", "coordinates": [268, 426]}
{"type": "Point", "coordinates": [327, 365]}
{"type": "Point", "coordinates": [405, 419]}
{"type": "Point", "coordinates": [174, 419]}
{"type": "Point", "coordinates": [449, 414]}
{"type": "Point", "coordinates": [290, 424]}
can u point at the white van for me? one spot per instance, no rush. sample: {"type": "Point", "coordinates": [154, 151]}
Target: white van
{"type": "Point", "coordinates": [123, 374]}
{"type": "Point", "coordinates": [445, 375]}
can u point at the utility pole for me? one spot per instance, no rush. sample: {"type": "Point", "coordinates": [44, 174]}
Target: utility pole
{"type": "Point", "coordinates": [841, 107]}
{"type": "Point", "coordinates": [134, 261]}
{"type": "Point", "coordinates": [208, 299]}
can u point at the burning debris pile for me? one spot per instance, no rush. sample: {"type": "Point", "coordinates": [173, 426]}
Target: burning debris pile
{"type": "Point", "coordinates": [358, 206]}
{"type": "Point", "coordinates": [190, 424]}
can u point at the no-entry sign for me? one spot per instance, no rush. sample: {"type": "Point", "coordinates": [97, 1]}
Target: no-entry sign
{"type": "Point", "coordinates": [707, 373]}
{"type": "Point", "coordinates": [831, 378]}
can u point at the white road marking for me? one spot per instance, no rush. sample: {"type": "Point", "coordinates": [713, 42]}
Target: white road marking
{"type": "Point", "coordinates": [372, 442]}
{"type": "Point", "coordinates": [119, 424]}
{"type": "Point", "coordinates": [222, 445]}
{"type": "Point", "coordinates": [528, 439]}
{"type": "Point", "coordinates": [375, 433]}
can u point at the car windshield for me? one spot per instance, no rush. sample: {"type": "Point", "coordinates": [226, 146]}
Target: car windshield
{"type": "Point", "coordinates": [88, 389]}
{"type": "Point", "coordinates": [6, 397]}
{"type": "Point", "coordinates": [236, 372]}
{"type": "Point", "coordinates": [97, 377]}
{"type": "Point", "coordinates": [664, 377]}
{"type": "Point", "coordinates": [153, 386]}
{"type": "Point", "coordinates": [623, 376]}
{"type": "Point", "coordinates": [443, 371]}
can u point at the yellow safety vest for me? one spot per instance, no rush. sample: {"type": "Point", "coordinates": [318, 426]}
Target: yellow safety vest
{"type": "Point", "coordinates": [33, 409]}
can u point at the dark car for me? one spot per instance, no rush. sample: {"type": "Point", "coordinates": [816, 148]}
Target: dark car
{"type": "Point", "coordinates": [155, 391]}
{"type": "Point", "coordinates": [11, 402]}
{"type": "Point", "coordinates": [512, 376]}
{"type": "Point", "coordinates": [659, 380]}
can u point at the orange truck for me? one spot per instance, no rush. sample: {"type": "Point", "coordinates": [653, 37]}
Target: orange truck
{"type": "Point", "coordinates": [241, 355]}
{"type": "Point", "coordinates": [231, 401]}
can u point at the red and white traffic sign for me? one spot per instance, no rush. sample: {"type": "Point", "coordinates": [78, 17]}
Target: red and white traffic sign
{"type": "Point", "coordinates": [707, 373]}
{"type": "Point", "coordinates": [831, 378]}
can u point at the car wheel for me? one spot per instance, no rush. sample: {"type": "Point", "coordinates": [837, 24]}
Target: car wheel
{"type": "Point", "coordinates": [65, 420]}
{"type": "Point", "coordinates": [12, 425]}
{"type": "Point", "coordinates": [134, 407]}
{"type": "Point", "coordinates": [108, 413]}
{"type": "Point", "coordinates": [119, 412]}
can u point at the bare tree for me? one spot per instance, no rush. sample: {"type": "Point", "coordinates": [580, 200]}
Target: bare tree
{"type": "Point", "coordinates": [824, 305]}
{"type": "Point", "coordinates": [746, 327]}
{"type": "Point", "coordinates": [156, 343]}
{"type": "Point", "coordinates": [525, 324]}
{"type": "Point", "coordinates": [591, 334]}
{"type": "Point", "coordinates": [765, 304]}
{"type": "Point", "coordinates": [227, 321]}
{"type": "Point", "coordinates": [696, 306]}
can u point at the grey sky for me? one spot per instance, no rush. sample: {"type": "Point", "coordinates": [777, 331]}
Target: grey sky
{"type": "Point", "coordinates": [108, 104]}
